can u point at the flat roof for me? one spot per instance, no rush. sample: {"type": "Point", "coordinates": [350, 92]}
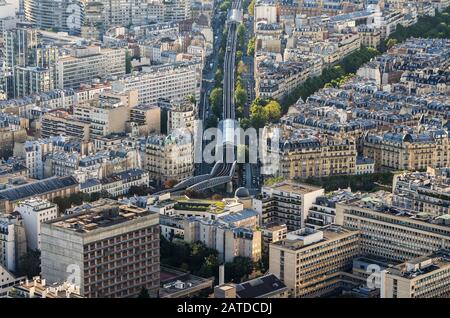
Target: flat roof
{"type": "Point", "coordinates": [100, 214]}
{"type": "Point", "coordinates": [291, 186]}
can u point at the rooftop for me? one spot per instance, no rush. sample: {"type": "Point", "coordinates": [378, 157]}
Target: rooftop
{"type": "Point", "coordinates": [260, 287]}
{"type": "Point", "coordinates": [290, 186]}
{"type": "Point", "coordinates": [100, 214]}
{"type": "Point", "coordinates": [37, 188]}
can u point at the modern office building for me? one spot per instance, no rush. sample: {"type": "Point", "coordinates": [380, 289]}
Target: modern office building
{"type": "Point", "coordinates": [392, 233]}
{"type": "Point", "coordinates": [59, 16]}
{"type": "Point", "coordinates": [88, 63]}
{"type": "Point", "coordinates": [29, 65]}
{"type": "Point", "coordinates": [309, 262]}
{"type": "Point", "coordinates": [113, 250]}
{"type": "Point", "coordinates": [422, 277]}
{"type": "Point", "coordinates": [172, 81]}
{"type": "Point", "coordinates": [34, 212]}
{"type": "Point", "coordinates": [13, 243]}
{"type": "Point", "coordinates": [287, 203]}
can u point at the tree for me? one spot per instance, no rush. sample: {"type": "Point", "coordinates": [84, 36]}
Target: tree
{"type": "Point", "coordinates": [30, 264]}
{"type": "Point", "coordinates": [242, 68]}
{"type": "Point", "coordinates": [239, 269]}
{"type": "Point", "coordinates": [216, 101]}
{"type": "Point", "coordinates": [191, 99]}
{"type": "Point", "coordinates": [224, 6]}
{"type": "Point", "coordinates": [258, 116]}
{"type": "Point", "coordinates": [128, 66]}
{"type": "Point", "coordinates": [240, 96]}
{"type": "Point", "coordinates": [169, 184]}
{"type": "Point", "coordinates": [218, 76]}
{"type": "Point", "coordinates": [144, 293]}
{"type": "Point", "coordinates": [391, 43]}
{"type": "Point", "coordinates": [240, 35]}
{"type": "Point", "coordinates": [273, 109]}
{"type": "Point", "coordinates": [251, 8]}
{"type": "Point", "coordinates": [251, 46]}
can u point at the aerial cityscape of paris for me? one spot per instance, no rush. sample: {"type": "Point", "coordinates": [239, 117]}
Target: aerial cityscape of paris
{"type": "Point", "coordinates": [233, 156]}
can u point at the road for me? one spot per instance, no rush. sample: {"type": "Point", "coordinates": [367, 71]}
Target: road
{"type": "Point", "coordinates": [223, 171]}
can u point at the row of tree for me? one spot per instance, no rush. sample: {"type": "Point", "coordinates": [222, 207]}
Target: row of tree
{"type": "Point", "coordinates": [426, 27]}
{"type": "Point", "coordinates": [262, 112]}
{"type": "Point", "coordinates": [349, 64]}
{"type": "Point", "coordinates": [367, 182]}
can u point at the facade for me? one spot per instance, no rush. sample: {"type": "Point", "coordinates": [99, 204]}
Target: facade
{"type": "Point", "coordinates": [172, 81]}
{"type": "Point", "coordinates": [127, 237]}
{"type": "Point", "coordinates": [9, 135]}
{"type": "Point", "coordinates": [310, 157]}
{"type": "Point", "coordinates": [422, 192]}
{"type": "Point", "coordinates": [168, 157]}
{"type": "Point", "coordinates": [364, 165]}
{"type": "Point", "coordinates": [147, 118]}
{"type": "Point", "coordinates": [85, 64]}
{"type": "Point", "coordinates": [29, 65]}
{"type": "Point", "coordinates": [229, 240]}
{"type": "Point", "coordinates": [7, 281]}
{"type": "Point", "coordinates": [391, 233]}
{"type": "Point", "coordinates": [34, 212]}
{"type": "Point", "coordinates": [308, 262]}
{"type": "Point", "coordinates": [407, 151]}
{"type": "Point", "coordinates": [63, 16]}
{"type": "Point", "coordinates": [65, 125]}
{"type": "Point", "coordinates": [117, 184]}
{"type": "Point", "coordinates": [286, 203]}
{"type": "Point", "coordinates": [13, 243]}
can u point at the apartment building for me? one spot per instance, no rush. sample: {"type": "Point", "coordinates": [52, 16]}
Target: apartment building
{"type": "Point", "coordinates": [61, 16]}
{"type": "Point", "coordinates": [13, 243]}
{"type": "Point", "coordinates": [393, 233]}
{"type": "Point", "coordinates": [117, 184]}
{"type": "Point", "coordinates": [168, 157]}
{"type": "Point", "coordinates": [173, 81]}
{"type": "Point", "coordinates": [407, 150]}
{"type": "Point", "coordinates": [114, 248]}
{"type": "Point", "coordinates": [87, 63]}
{"type": "Point", "coordinates": [309, 261]}
{"type": "Point", "coordinates": [422, 192]}
{"type": "Point", "coordinates": [286, 203]}
{"type": "Point", "coordinates": [323, 211]}
{"type": "Point", "coordinates": [422, 277]}
{"type": "Point", "coordinates": [7, 281]}
{"type": "Point", "coordinates": [34, 212]}
{"type": "Point", "coordinates": [107, 115]}
{"type": "Point", "coordinates": [61, 123]}
{"type": "Point", "coordinates": [228, 239]}
{"type": "Point", "coordinates": [181, 115]}
{"type": "Point", "coordinates": [147, 118]}
{"type": "Point", "coordinates": [29, 64]}
{"type": "Point", "coordinates": [303, 157]}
